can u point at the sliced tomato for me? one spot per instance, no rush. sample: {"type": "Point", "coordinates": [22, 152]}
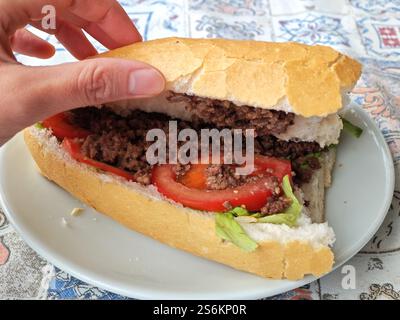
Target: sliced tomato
{"type": "Point", "coordinates": [190, 190]}
{"type": "Point", "coordinates": [63, 128]}
{"type": "Point", "coordinates": [196, 177]}
{"type": "Point", "coordinates": [277, 167]}
{"type": "Point", "coordinates": [73, 147]}
{"type": "Point", "coordinates": [252, 195]}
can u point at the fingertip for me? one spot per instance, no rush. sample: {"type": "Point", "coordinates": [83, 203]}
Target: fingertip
{"type": "Point", "coordinates": [27, 43]}
{"type": "Point", "coordinates": [137, 37]}
{"type": "Point", "coordinates": [48, 53]}
{"type": "Point", "coordinates": [87, 52]}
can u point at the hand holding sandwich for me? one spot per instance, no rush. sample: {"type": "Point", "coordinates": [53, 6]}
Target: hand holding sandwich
{"type": "Point", "coordinates": [30, 94]}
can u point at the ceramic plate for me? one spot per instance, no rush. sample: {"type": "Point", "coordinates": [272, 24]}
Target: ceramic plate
{"type": "Point", "coordinates": [99, 251]}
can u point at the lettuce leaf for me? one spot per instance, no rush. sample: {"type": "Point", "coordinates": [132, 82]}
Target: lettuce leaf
{"type": "Point", "coordinates": [352, 128]}
{"type": "Point", "coordinates": [39, 126]}
{"type": "Point", "coordinates": [291, 214]}
{"type": "Point", "coordinates": [239, 211]}
{"type": "Point", "coordinates": [229, 229]}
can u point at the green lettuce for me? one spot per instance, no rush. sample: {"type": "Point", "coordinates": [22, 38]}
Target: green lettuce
{"type": "Point", "coordinates": [229, 229]}
{"type": "Point", "coordinates": [39, 126]}
{"type": "Point", "coordinates": [351, 128]}
{"type": "Point", "coordinates": [291, 214]}
{"type": "Point", "coordinates": [239, 211]}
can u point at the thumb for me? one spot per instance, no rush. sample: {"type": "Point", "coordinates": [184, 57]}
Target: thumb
{"type": "Point", "coordinates": [91, 82]}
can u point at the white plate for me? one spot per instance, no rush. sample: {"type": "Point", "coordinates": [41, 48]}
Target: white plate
{"type": "Point", "coordinates": [99, 251]}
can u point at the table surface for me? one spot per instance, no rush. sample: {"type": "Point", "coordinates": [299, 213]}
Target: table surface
{"type": "Point", "coordinates": [366, 29]}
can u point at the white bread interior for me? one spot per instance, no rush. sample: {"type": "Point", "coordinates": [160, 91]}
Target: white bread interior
{"type": "Point", "coordinates": [310, 81]}
{"type": "Point", "coordinates": [283, 252]}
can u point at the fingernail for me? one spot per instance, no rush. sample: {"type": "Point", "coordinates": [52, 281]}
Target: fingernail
{"type": "Point", "coordinates": [146, 82]}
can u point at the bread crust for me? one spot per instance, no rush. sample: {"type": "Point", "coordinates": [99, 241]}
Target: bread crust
{"type": "Point", "coordinates": [176, 226]}
{"type": "Point", "coordinates": [306, 80]}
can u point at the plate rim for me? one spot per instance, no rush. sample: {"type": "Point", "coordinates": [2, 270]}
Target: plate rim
{"type": "Point", "coordinates": [91, 277]}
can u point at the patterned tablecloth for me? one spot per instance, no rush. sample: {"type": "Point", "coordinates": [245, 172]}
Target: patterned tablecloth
{"type": "Point", "coordinates": [366, 29]}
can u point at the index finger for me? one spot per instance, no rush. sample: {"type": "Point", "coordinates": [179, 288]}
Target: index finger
{"type": "Point", "coordinates": [106, 21]}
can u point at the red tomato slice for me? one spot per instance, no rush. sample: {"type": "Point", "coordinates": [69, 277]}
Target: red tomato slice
{"type": "Point", "coordinates": [277, 167]}
{"type": "Point", "coordinates": [252, 195]}
{"type": "Point", "coordinates": [196, 177]}
{"type": "Point", "coordinates": [62, 128]}
{"type": "Point", "coordinates": [73, 147]}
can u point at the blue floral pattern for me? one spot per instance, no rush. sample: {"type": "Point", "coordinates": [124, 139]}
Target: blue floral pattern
{"type": "Point", "coordinates": [377, 7]}
{"type": "Point", "coordinates": [218, 28]}
{"type": "Point", "coordinates": [66, 287]}
{"type": "Point", "coordinates": [232, 7]}
{"type": "Point", "coordinates": [314, 29]}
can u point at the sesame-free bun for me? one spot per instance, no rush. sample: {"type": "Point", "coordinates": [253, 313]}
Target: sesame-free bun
{"type": "Point", "coordinates": [306, 80]}
{"type": "Point", "coordinates": [283, 252]}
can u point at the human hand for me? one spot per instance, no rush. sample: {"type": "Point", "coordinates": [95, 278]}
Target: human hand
{"type": "Point", "coordinates": [30, 94]}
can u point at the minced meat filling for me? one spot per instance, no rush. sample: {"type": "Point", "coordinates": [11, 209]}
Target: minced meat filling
{"type": "Point", "coordinates": [302, 155]}
{"type": "Point", "coordinates": [220, 177]}
{"type": "Point", "coordinates": [225, 114]}
{"type": "Point", "coordinates": [121, 142]}
{"type": "Point", "coordinates": [275, 204]}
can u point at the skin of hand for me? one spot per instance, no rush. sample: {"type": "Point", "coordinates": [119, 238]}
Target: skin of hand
{"type": "Point", "coordinates": [30, 94]}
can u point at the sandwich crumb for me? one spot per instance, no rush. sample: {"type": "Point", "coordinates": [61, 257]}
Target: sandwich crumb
{"type": "Point", "coordinates": [76, 212]}
{"type": "Point", "coordinates": [64, 222]}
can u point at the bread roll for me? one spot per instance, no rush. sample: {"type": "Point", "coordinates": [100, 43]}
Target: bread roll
{"type": "Point", "coordinates": [306, 80]}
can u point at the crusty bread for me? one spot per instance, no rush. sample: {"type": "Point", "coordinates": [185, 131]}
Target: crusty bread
{"type": "Point", "coordinates": [283, 252]}
{"type": "Point", "coordinates": [306, 80]}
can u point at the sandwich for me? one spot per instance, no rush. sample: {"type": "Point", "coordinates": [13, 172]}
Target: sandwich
{"type": "Point", "coordinates": [282, 98]}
